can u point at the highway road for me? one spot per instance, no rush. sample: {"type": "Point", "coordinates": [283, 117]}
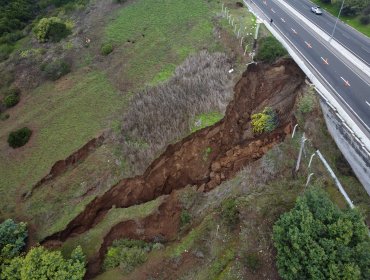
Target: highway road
{"type": "Point", "coordinates": [354, 41]}
{"type": "Point", "coordinates": [336, 74]}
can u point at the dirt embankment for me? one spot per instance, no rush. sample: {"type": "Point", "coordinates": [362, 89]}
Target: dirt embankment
{"type": "Point", "coordinates": [61, 166]}
{"type": "Point", "coordinates": [209, 156]}
{"type": "Point", "coordinates": [162, 225]}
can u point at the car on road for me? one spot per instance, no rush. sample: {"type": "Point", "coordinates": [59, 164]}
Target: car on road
{"type": "Point", "coordinates": [317, 10]}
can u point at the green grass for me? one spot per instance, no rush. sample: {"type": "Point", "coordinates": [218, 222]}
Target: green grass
{"type": "Point", "coordinates": [164, 34]}
{"type": "Point", "coordinates": [92, 239]}
{"type": "Point", "coordinates": [204, 120]}
{"type": "Point", "coordinates": [63, 117]}
{"type": "Point", "coordinates": [351, 21]}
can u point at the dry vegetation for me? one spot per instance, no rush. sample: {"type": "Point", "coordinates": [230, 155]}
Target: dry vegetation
{"type": "Point", "coordinates": [163, 114]}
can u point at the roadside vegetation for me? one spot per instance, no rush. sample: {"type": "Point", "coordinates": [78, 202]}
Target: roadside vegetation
{"type": "Point", "coordinates": [355, 13]}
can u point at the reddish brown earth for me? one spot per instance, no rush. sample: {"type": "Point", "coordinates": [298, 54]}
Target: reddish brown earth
{"type": "Point", "coordinates": [61, 166]}
{"type": "Point", "coordinates": [231, 143]}
{"type": "Point", "coordinates": [162, 225]}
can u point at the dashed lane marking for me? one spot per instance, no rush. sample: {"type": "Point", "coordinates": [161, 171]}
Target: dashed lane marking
{"type": "Point", "coordinates": [295, 32]}
{"type": "Point", "coordinates": [308, 45]}
{"type": "Point", "coordinates": [325, 60]}
{"type": "Point", "coordinates": [283, 20]}
{"type": "Point", "coordinates": [346, 83]}
{"type": "Point", "coordinates": [272, 10]}
{"type": "Point", "coordinates": [367, 103]}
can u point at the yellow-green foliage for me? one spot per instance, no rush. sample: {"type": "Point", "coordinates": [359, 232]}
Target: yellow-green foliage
{"type": "Point", "coordinates": [265, 121]}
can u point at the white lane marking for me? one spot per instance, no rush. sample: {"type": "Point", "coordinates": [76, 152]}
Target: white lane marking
{"type": "Point", "coordinates": [308, 45]}
{"type": "Point", "coordinates": [325, 60]}
{"type": "Point", "coordinates": [295, 32]}
{"type": "Point", "coordinates": [265, 2]}
{"type": "Point", "coordinates": [282, 20]}
{"type": "Point", "coordinates": [272, 10]}
{"type": "Point", "coordinates": [367, 103]}
{"type": "Point", "coordinates": [346, 83]}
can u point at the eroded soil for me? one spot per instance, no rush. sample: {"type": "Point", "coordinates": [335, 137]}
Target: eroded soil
{"type": "Point", "coordinates": [205, 158]}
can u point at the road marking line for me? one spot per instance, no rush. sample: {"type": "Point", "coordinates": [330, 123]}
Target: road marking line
{"type": "Point", "coordinates": [346, 83]}
{"type": "Point", "coordinates": [295, 32]}
{"type": "Point", "coordinates": [367, 103]}
{"type": "Point", "coordinates": [325, 60]}
{"type": "Point", "coordinates": [272, 10]}
{"type": "Point", "coordinates": [308, 45]}
{"type": "Point", "coordinates": [265, 2]}
{"type": "Point", "coordinates": [282, 20]}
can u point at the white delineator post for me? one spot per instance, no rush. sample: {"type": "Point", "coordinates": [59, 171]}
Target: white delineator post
{"type": "Point", "coordinates": [332, 174]}
{"type": "Point", "coordinates": [300, 152]}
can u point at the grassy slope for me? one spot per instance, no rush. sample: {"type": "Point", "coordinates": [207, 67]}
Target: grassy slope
{"type": "Point", "coordinates": [63, 117]}
{"type": "Point", "coordinates": [92, 239]}
{"type": "Point", "coordinates": [165, 32]}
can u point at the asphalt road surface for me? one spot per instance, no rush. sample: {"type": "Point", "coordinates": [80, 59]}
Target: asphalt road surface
{"type": "Point", "coordinates": [349, 88]}
{"type": "Point", "coordinates": [354, 41]}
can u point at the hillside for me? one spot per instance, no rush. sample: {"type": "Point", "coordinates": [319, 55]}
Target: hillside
{"type": "Point", "coordinates": [157, 149]}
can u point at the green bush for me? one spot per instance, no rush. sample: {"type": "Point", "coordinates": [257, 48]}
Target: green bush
{"type": "Point", "coordinates": [5, 51]}
{"type": "Point", "coordinates": [12, 97]}
{"type": "Point", "coordinates": [365, 19]}
{"type": "Point", "coordinates": [317, 240]}
{"type": "Point", "coordinates": [306, 103]}
{"type": "Point", "coordinates": [40, 263]}
{"type": "Point", "coordinates": [270, 49]}
{"type": "Point", "coordinates": [12, 239]}
{"type": "Point", "coordinates": [185, 218]}
{"type": "Point", "coordinates": [266, 121]}
{"type": "Point", "coordinates": [127, 254]}
{"type": "Point", "coordinates": [230, 212]}
{"type": "Point", "coordinates": [19, 137]}
{"type": "Point", "coordinates": [106, 49]}
{"type": "Point", "coordinates": [252, 261]}
{"type": "Point", "coordinates": [56, 69]}
{"type": "Point", "coordinates": [51, 29]}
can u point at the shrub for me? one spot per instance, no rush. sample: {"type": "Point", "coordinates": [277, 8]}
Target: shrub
{"type": "Point", "coordinates": [4, 117]}
{"type": "Point", "coordinates": [106, 49]}
{"type": "Point", "coordinates": [19, 137]}
{"type": "Point", "coordinates": [317, 240]}
{"type": "Point", "coordinates": [270, 49]}
{"type": "Point", "coordinates": [127, 254]}
{"type": "Point", "coordinates": [56, 69]}
{"type": "Point", "coordinates": [252, 261]}
{"type": "Point", "coordinates": [52, 29]}
{"type": "Point", "coordinates": [12, 98]}
{"type": "Point", "coordinates": [12, 239]}
{"type": "Point", "coordinates": [230, 212]}
{"type": "Point", "coordinates": [5, 51]}
{"type": "Point", "coordinates": [264, 122]}
{"type": "Point", "coordinates": [185, 218]}
{"type": "Point", "coordinates": [365, 20]}
{"type": "Point", "coordinates": [306, 103]}
{"type": "Point", "coordinates": [40, 263]}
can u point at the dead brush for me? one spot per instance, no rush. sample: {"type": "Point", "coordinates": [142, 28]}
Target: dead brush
{"type": "Point", "coordinates": [162, 114]}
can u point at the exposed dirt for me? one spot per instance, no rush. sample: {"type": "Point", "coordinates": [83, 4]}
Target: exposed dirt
{"type": "Point", "coordinates": [62, 165]}
{"type": "Point", "coordinates": [208, 156]}
{"type": "Point", "coordinates": [162, 226]}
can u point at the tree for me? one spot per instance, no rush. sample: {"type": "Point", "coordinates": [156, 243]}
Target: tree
{"type": "Point", "coordinates": [40, 263]}
{"type": "Point", "coordinates": [12, 239]}
{"type": "Point", "coordinates": [50, 29]}
{"type": "Point", "coordinates": [19, 138]}
{"type": "Point", "coordinates": [317, 240]}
